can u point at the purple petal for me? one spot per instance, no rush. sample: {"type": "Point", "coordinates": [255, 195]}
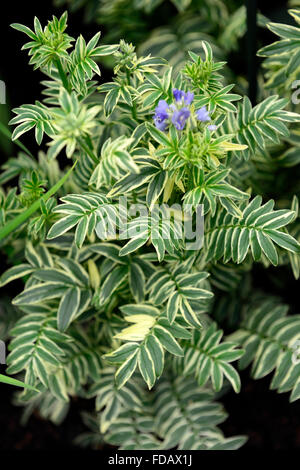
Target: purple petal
{"type": "Point", "coordinates": [160, 124]}
{"type": "Point", "coordinates": [161, 110]}
{"type": "Point", "coordinates": [178, 94]}
{"type": "Point", "coordinates": [180, 117]}
{"type": "Point", "coordinates": [212, 127]}
{"type": "Point", "coordinates": [188, 98]}
{"type": "Point", "coordinates": [202, 114]}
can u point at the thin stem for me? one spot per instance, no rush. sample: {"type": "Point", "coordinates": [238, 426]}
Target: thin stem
{"type": "Point", "coordinates": [21, 218]}
{"type": "Point", "coordinates": [133, 109]}
{"type": "Point", "coordinates": [88, 150]}
{"type": "Point", "coordinates": [62, 75]}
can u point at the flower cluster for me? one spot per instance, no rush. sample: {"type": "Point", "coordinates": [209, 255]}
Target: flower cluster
{"type": "Point", "coordinates": [179, 112]}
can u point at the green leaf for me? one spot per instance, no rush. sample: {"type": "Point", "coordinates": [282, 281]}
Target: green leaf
{"type": "Point", "coordinates": [17, 383]}
{"type": "Point", "coordinates": [126, 370]}
{"type": "Point", "coordinates": [146, 366]}
{"type": "Point", "coordinates": [122, 353]}
{"type": "Point", "coordinates": [167, 340]}
{"type": "Point", "coordinates": [137, 282]}
{"type": "Point", "coordinates": [15, 273]}
{"type": "Point", "coordinates": [158, 136]}
{"type": "Point", "coordinates": [112, 282]}
{"type": "Point", "coordinates": [68, 308]}
{"type": "Point", "coordinates": [62, 226]}
{"type": "Point", "coordinates": [156, 354]}
{"type": "Point", "coordinates": [40, 292]}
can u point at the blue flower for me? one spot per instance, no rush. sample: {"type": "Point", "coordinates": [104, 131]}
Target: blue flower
{"type": "Point", "coordinates": [176, 113]}
{"type": "Point", "coordinates": [161, 125]}
{"type": "Point", "coordinates": [180, 117]}
{"type": "Point", "coordinates": [162, 109]}
{"type": "Point", "coordinates": [212, 127]}
{"type": "Point", "coordinates": [181, 95]}
{"type": "Point", "coordinates": [188, 98]}
{"type": "Point", "coordinates": [161, 115]}
{"type": "Point", "coordinates": [178, 94]}
{"type": "Point", "coordinates": [202, 114]}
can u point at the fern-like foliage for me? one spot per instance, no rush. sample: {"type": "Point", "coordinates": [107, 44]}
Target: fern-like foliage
{"type": "Point", "coordinates": [189, 420]}
{"type": "Point", "coordinates": [208, 359]}
{"type": "Point", "coordinates": [111, 401]}
{"type": "Point", "coordinates": [173, 42]}
{"type": "Point", "coordinates": [282, 56]}
{"type": "Point", "coordinates": [84, 211]}
{"type": "Point", "coordinates": [118, 306]}
{"type": "Point", "coordinates": [179, 415]}
{"type": "Point", "coordinates": [269, 337]}
{"type": "Point", "coordinates": [50, 357]}
{"type": "Point", "coordinates": [258, 228]}
{"type": "Point", "coordinates": [256, 127]}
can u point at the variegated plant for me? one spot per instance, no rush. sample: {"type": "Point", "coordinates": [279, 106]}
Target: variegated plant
{"type": "Point", "coordinates": [113, 317]}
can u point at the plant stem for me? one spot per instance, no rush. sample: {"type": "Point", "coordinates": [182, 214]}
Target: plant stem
{"type": "Point", "coordinates": [133, 109]}
{"type": "Point", "coordinates": [89, 151]}
{"type": "Point", "coordinates": [134, 114]}
{"type": "Point", "coordinates": [62, 75]}
{"type": "Point", "coordinates": [13, 224]}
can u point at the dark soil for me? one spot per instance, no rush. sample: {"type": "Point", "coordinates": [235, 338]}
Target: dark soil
{"type": "Point", "coordinates": [38, 434]}
{"type": "Point", "coordinates": [268, 419]}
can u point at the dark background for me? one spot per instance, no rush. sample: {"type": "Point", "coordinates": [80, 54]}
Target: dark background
{"type": "Point", "coordinates": [23, 84]}
{"type": "Point", "coordinates": [266, 417]}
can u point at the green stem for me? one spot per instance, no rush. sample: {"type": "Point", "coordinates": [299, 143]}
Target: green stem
{"type": "Point", "coordinates": [133, 109]}
{"type": "Point", "coordinates": [62, 75]}
{"type": "Point", "coordinates": [13, 224]}
{"type": "Point", "coordinates": [89, 151]}
{"type": "Point", "coordinates": [134, 113]}
{"type": "Point", "coordinates": [6, 132]}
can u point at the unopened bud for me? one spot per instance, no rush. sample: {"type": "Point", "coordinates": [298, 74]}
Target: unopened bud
{"type": "Point", "coordinates": [93, 274]}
